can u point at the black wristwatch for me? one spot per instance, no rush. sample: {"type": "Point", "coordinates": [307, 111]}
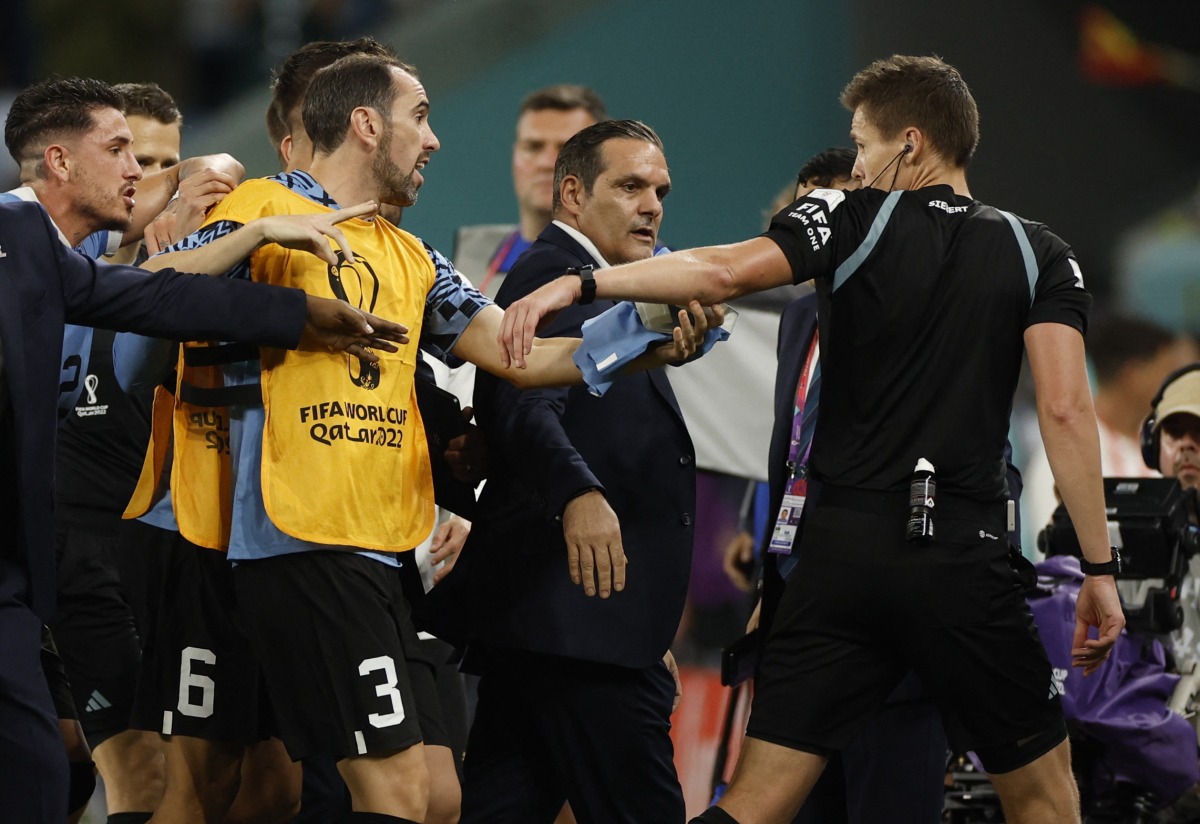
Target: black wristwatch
{"type": "Point", "coordinates": [588, 293]}
{"type": "Point", "coordinates": [1112, 567]}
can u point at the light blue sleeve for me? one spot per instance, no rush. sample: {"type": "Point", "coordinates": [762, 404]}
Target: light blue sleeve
{"type": "Point", "coordinates": [141, 363]}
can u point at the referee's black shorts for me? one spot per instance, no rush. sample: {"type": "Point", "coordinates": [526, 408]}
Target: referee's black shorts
{"type": "Point", "coordinates": [863, 605]}
{"type": "Point", "coordinates": [340, 656]}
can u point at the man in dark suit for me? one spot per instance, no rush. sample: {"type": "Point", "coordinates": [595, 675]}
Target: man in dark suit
{"type": "Point", "coordinates": [575, 699]}
{"type": "Point", "coordinates": [48, 285]}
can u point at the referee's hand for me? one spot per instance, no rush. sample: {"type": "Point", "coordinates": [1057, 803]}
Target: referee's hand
{"type": "Point", "coordinates": [1097, 606]}
{"type": "Point", "coordinates": [595, 556]}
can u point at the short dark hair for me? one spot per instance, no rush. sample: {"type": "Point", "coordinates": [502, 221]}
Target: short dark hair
{"type": "Point", "coordinates": [149, 100]}
{"type": "Point", "coordinates": [343, 86]}
{"type": "Point", "coordinates": [583, 157]}
{"type": "Point", "coordinates": [564, 97]}
{"type": "Point", "coordinates": [53, 108]}
{"type": "Point", "coordinates": [925, 92]}
{"type": "Point", "coordinates": [290, 81]}
{"type": "Point", "coordinates": [823, 168]}
{"type": "Point", "coordinates": [1116, 339]}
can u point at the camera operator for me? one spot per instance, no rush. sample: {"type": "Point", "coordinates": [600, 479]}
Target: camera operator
{"type": "Point", "coordinates": [1171, 444]}
{"type": "Point", "coordinates": [1171, 435]}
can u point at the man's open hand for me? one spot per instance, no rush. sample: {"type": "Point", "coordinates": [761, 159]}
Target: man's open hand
{"type": "Point", "coordinates": [312, 232]}
{"type": "Point", "coordinates": [521, 319]}
{"type": "Point", "coordinates": [595, 556]}
{"type": "Point", "coordinates": [338, 326]}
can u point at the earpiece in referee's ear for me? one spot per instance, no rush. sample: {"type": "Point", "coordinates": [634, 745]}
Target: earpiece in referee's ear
{"type": "Point", "coordinates": [907, 148]}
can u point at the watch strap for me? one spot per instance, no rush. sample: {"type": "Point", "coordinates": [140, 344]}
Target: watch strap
{"type": "Point", "coordinates": [1111, 567]}
{"type": "Point", "coordinates": [588, 285]}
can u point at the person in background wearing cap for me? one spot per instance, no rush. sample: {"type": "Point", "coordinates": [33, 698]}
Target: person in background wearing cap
{"type": "Point", "coordinates": [1173, 428]}
{"type": "Point", "coordinates": [1171, 444]}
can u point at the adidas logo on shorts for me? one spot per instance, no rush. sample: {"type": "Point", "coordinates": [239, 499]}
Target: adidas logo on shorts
{"type": "Point", "coordinates": [1058, 678]}
{"type": "Point", "coordinates": [97, 702]}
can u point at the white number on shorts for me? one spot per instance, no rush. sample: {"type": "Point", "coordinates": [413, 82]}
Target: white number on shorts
{"type": "Point", "coordinates": [386, 689]}
{"type": "Point", "coordinates": [189, 681]}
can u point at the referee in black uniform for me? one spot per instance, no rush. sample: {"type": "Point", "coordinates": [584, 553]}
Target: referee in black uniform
{"type": "Point", "coordinates": [928, 299]}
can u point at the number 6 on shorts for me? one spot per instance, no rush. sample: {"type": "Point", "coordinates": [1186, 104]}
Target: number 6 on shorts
{"type": "Point", "coordinates": [189, 680]}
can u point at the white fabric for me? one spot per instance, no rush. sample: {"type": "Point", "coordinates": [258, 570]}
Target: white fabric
{"type": "Point", "coordinates": [727, 397]}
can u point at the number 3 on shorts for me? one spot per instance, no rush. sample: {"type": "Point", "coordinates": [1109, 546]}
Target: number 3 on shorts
{"type": "Point", "coordinates": [386, 689]}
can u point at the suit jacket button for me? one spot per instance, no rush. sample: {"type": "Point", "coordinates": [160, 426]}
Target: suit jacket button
{"type": "Point", "coordinates": [685, 519]}
{"type": "Point", "coordinates": [685, 460]}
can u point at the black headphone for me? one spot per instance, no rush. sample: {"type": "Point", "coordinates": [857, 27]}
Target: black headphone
{"type": "Point", "coordinates": [1150, 437]}
{"type": "Point", "coordinates": [907, 148]}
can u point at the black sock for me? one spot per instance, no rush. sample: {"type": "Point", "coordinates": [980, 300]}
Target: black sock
{"type": "Point", "coordinates": [714, 815]}
{"type": "Point", "coordinates": [373, 818]}
{"type": "Point", "coordinates": [129, 818]}
{"type": "Point", "coordinates": [82, 784]}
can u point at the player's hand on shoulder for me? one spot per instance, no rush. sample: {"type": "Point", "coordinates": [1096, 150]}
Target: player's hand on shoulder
{"type": "Point", "coordinates": [221, 162]}
{"type": "Point", "coordinates": [184, 214]}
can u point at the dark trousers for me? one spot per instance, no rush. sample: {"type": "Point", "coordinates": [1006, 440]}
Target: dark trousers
{"type": "Point", "coordinates": [549, 730]}
{"type": "Point", "coordinates": [33, 760]}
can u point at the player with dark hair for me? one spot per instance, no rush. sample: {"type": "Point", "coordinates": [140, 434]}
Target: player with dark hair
{"type": "Point", "coordinates": [303, 547]}
{"type": "Point", "coordinates": [289, 84]}
{"type": "Point", "coordinates": [47, 285]}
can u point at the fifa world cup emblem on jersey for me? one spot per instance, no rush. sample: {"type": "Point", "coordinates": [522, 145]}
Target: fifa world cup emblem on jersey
{"type": "Point", "coordinates": [358, 285]}
{"type": "Point", "coordinates": [90, 384]}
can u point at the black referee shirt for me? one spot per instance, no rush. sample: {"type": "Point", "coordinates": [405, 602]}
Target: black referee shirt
{"type": "Point", "coordinates": [924, 297]}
